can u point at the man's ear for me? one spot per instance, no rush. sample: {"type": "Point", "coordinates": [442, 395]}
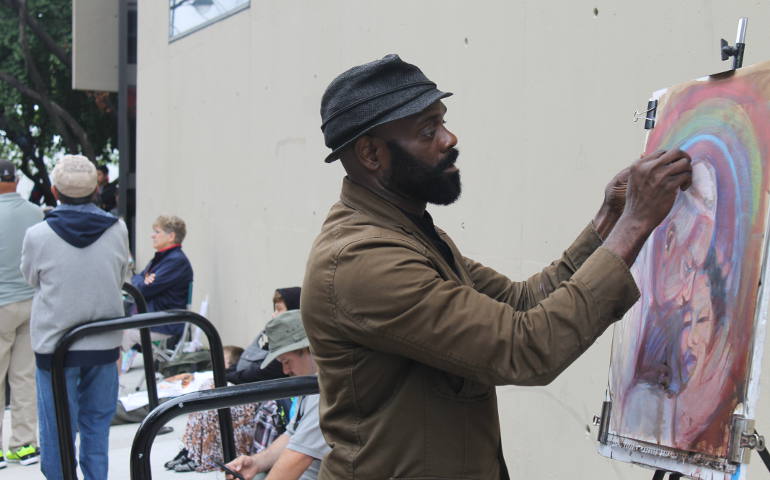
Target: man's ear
{"type": "Point", "coordinates": [55, 192]}
{"type": "Point", "coordinates": [369, 151]}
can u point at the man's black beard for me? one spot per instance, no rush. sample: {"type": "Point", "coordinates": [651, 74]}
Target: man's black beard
{"type": "Point", "coordinates": [412, 178]}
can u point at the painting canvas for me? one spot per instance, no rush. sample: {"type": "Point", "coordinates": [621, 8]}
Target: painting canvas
{"type": "Point", "coordinates": [682, 357]}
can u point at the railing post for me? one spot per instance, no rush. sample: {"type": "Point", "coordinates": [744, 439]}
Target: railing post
{"type": "Point", "coordinates": [63, 422]}
{"type": "Point", "coordinates": [146, 342]}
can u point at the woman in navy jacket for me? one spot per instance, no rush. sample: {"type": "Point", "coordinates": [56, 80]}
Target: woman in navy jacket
{"type": "Point", "coordinates": [166, 282]}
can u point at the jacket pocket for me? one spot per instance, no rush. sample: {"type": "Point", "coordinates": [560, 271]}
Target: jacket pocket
{"type": "Point", "coordinates": [458, 388]}
{"type": "Point", "coordinates": [429, 478]}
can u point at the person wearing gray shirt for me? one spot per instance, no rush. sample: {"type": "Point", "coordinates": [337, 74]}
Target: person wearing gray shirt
{"type": "Point", "coordinates": [306, 437]}
{"type": "Point", "coordinates": [16, 357]}
{"type": "Point", "coordinates": [297, 454]}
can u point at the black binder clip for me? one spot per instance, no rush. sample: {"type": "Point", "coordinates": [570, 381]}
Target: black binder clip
{"type": "Point", "coordinates": [647, 115]}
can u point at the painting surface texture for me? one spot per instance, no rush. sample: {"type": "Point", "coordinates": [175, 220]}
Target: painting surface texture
{"type": "Point", "coordinates": [681, 357]}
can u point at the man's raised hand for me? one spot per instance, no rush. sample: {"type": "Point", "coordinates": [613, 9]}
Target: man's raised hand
{"type": "Point", "coordinates": [653, 183]}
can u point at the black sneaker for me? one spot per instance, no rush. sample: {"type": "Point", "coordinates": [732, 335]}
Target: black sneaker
{"type": "Point", "coordinates": [189, 466]}
{"type": "Point", "coordinates": [181, 457]}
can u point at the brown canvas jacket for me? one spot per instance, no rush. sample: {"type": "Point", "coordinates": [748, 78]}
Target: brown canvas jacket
{"type": "Point", "coordinates": [409, 352]}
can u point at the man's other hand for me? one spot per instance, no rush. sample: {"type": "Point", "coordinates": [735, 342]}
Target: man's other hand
{"type": "Point", "coordinates": [653, 183]}
{"type": "Point", "coordinates": [245, 465]}
{"type": "Point", "coordinates": [615, 192]}
{"type": "Point", "coordinates": [614, 202]}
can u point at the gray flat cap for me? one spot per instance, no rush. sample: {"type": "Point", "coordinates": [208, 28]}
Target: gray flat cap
{"type": "Point", "coordinates": [372, 94]}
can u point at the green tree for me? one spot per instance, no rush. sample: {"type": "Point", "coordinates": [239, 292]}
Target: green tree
{"type": "Point", "coordinates": [40, 114]}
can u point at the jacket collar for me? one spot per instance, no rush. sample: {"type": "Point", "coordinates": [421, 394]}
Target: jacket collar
{"type": "Point", "coordinates": [360, 198]}
{"type": "Point", "coordinates": [175, 245]}
{"type": "Point", "coordinates": [383, 212]}
{"type": "Point", "coordinates": [165, 252]}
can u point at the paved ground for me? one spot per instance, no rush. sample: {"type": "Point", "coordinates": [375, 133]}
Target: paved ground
{"type": "Point", "coordinates": [121, 436]}
{"type": "Point", "coordinates": [164, 448]}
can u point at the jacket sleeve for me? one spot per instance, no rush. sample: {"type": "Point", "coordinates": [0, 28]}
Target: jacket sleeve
{"type": "Point", "coordinates": [126, 268]}
{"type": "Point", "coordinates": [169, 273]}
{"type": "Point", "coordinates": [28, 270]}
{"type": "Point", "coordinates": [525, 295]}
{"type": "Point", "coordinates": [253, 373]}
{"type": "Point", "coordinates": [138, 280]}
{"type": "Point", "coordinates": [390, 298]}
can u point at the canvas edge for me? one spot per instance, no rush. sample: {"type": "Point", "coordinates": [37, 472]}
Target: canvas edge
{"type": "Point", "coordinates": [655, 462]}
{"type": "Point", "coordinates": [760, 328]}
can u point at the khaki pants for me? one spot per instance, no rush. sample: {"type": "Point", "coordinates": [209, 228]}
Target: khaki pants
{"type": "Point", "coordinates": [18, 361]}
{"type": "Point", "coordinates": [132, 336]}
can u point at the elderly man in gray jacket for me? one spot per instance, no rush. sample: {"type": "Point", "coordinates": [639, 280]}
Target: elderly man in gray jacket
{"type": "Point", "coordinates": [16, 359]}
{"type": "Point", "coordinates": [76, 260]}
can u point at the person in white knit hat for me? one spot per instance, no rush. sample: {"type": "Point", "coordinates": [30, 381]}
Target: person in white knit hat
{"type": "Point", "coordinates": [76, 261]}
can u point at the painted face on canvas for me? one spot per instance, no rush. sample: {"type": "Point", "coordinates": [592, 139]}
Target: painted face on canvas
{"type": "Point", "coordinates": [697, 329]}
{"type": "Point", "coordinates": [687, 237]}
{"type": "Point", "coordinates": [704, 369]}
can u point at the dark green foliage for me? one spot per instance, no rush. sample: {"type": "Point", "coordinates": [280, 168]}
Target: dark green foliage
{"type": "Point", "coordinates": [40, 114]}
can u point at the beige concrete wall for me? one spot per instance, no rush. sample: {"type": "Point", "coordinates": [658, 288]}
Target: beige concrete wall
{"type": "Point", "coordinates": [229, 139]}
{"type": "Point", "coordinates": [95, 45]}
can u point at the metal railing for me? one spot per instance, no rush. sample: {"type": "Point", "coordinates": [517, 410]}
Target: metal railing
{"type": "Point", "coordinates": [146, 342]}
{"type": "Point", "coordinates": [208, 400]}
{"type": "Point", "coordinates": [143, 321]}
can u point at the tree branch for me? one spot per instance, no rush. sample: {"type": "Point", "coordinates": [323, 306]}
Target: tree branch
{"type": "Point", "coordinates": [28, 62]}
{"type": "Point", "coordinates": [37, 79]}
{"type": "Point", "coordinates": [77, 130]}
{"type": "Point", "coordinates": [41, 180]}
{"type": "Point", "coordinates": [59, 52]}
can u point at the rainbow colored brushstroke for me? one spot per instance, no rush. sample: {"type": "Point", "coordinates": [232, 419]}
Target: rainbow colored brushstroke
{"type": "Point", "coordinates": [680, 361]}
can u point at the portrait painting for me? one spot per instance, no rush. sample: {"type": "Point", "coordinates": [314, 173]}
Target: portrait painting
{"type": "Point", "coordinates": [681, 358]}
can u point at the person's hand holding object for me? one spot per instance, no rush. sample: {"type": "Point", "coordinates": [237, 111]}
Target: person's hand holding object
{"type": "Point", "coordinates": [653, 183]}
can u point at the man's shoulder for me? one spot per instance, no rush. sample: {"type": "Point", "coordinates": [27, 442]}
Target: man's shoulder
{"type": "Point", "coordinates": [17, 207]}
{"type": "Point", "coordinates": [352, 242]}
{"type": "Point", "coordinates": [39, 230]}
{"type": "Point", "coordinates": [38, 238]}
{"type": "Point", "coordinates": [308, 414]}
{"type": "Point", "coordinates": [115, 233]}
{"type": "Point", "coordinates": [345, 226]}
{"type": "Point", "coordinates": [119, 227]}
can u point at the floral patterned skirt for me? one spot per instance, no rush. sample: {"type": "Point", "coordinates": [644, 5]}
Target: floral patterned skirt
{"type": "Point", "coordinates": [203, 441]}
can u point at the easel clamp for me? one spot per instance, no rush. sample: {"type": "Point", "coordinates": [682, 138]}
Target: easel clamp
{"type": "Point", "coordinates": [745, 438]}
